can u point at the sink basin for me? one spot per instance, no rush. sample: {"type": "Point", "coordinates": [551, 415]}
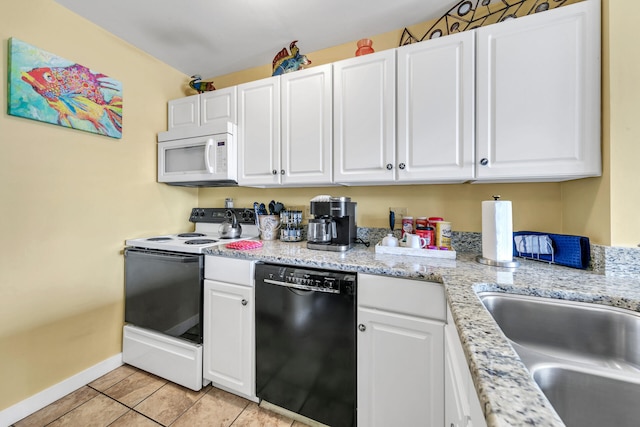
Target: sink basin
{"type": "Point", "coordinates": [588, 399]}
{"type": "Point", "coordinates": [584, 357]}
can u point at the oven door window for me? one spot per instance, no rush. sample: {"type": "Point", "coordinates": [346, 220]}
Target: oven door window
{"type": "Point", "coordinates": [163, 292]}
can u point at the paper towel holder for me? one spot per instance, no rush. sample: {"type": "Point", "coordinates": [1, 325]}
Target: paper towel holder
{"type": "Point", "coordinates": [506, 264]}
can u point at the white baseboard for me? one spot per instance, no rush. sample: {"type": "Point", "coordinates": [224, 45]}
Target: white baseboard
{"type": "Point", "coordinates": [46, 397]}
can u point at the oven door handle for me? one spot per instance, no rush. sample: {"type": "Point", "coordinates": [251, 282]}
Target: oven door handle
{"type": "Point", "coordinates": [165, 256]}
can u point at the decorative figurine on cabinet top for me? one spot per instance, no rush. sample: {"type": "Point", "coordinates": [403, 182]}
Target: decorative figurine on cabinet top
{"type": "Point", "coordinates": [200, 86]}
{"type": "Point", "coordinates": [364, 47]}
{"type": "Point", "coordinates": [285, 62]}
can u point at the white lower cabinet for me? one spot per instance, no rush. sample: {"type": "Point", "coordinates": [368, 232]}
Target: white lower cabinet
{"type": "Point", "coordinates": [462, 406]}
{"type": "Point", "coordinates": [400, 342]}
{"type": "Point", "coordinates": [228, 332]}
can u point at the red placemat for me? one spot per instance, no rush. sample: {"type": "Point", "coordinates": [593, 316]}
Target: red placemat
{"type": "Point", "coordinates": [244, 244]}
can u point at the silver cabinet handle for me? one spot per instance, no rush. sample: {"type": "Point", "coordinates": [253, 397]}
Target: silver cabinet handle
{"type": "Point", "coordinates": [282, 172]}
{"type": "Point", "coordinates": [484, 161]}
{"type": "Point", "coordinates": [361, 327]}
{"type": "Point", "coordinates": [274, 172]}
{"type": "Point", "coordinates": [389, 166]}
{"type": "Point", "coordinates": [402, 166]}
{"type": "Point", "coordinates": [244, 302]}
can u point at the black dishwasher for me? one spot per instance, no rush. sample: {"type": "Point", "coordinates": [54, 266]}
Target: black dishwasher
{"type": "Point", "coordinates": [306, 342]}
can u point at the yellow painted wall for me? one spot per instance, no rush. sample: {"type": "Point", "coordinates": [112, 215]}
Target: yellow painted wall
{"type": "Point", "coordinates": [535, 206]}
{"type": "Point", "coordinates": [624, 57]}
{"type": "Point", "coordinates": [69, 199]}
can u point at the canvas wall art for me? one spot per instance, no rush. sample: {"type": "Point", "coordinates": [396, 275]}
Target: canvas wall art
{"type": "Point", "coordinates": [45, 87]}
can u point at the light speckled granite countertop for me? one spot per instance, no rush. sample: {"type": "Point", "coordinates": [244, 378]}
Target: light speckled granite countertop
{"type": "Point", "coordinates": [507, 393]}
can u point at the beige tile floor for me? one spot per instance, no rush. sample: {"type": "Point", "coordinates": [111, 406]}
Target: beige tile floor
{"type": "Point", "coordinates": [128, 397]}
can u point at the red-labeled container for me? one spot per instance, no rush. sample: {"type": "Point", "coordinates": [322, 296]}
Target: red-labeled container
{"type": "Point", "coordinates": [421, 221]}
{"type": "Point", "coordinates": [427, 233]}
{"type": "Point", "coordinates": [432, 221]}
{"type": "Point", "coordinates": [407, 225]}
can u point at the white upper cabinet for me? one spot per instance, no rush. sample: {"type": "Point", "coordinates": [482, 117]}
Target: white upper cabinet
{"type": "Point", "coordinates": [284, 129]}
{"type": "Point", "coordinates": [218, 106]}
{"type": "Point", "coordinates": [436, 110]}
{"type": "Point", "coordinates": [184, 113]}
{"type": "Point", "coordinates": [306, 108]}
{"type": "Point", "coordinates": [538, 96]}
{"type": "Point", "coordinates": [193, 115]}
{"type": "Point", "coordinates": [259, 132]}
{"type": "Point", "coordinates": [516, 101]}
{"type": "Point", "coordinates": [199, 115]}
{"type": "Point", "coordinates": [364, 105]}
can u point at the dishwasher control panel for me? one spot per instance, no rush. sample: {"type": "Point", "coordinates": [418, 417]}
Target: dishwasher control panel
{"type": "Point", "coordinates": [307, 279]}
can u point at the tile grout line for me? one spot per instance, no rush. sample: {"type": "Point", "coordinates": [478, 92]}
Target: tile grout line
{"type": "Point", "coordinates": [238, 416]}
{"type": "Point", "coordinates": [74, 408]}
{"type": "Point", "coordinates": [131, 408]}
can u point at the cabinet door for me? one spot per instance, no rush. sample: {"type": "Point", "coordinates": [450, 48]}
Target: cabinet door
{"type": "Point", "coordinates": [400, 370]}
{"type": "Point", "coordinates": [259, 132]}
{"type": "Point", "coordinates": [218, 106]}
{"type": "Point", "coordinates": [462, 406]}
{"type": "Point", "coordinates": [538, 98]}
{"type": "Point", "coordinates": [184, 113]}
{"type": "Point", "coordinates": [364, 118]}
{"type": "Point", "coordinates": [456, 407]}
{"type": "Point", "coordinates": [436, 110]}
{"type": "Point", "coordinates": [228, 337]}
{"type": "Point", "coordinates": [306, 126]}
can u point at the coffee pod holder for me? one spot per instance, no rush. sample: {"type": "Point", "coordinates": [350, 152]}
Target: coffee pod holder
{"type": "Point", "coordinates": [291, 226]}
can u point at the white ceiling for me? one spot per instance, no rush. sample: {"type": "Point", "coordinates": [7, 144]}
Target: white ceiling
{"type": "Point", "coordinates": [214, 37]}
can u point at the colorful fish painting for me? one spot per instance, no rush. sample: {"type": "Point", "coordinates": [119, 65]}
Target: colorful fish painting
{"type": "Point", "coordinates": [48, 88]}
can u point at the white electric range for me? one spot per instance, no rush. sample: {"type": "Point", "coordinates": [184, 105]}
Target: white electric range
{"type": "Point", "coordinates": [164, 278]}
{"type": "Point", "coordinates": [205, 234]}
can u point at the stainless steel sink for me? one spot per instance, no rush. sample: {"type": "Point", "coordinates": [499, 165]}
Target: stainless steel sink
{"type": "Point", "coordinates": [584, 357]}
{"type": "Point", "coordinates": [590, 399]}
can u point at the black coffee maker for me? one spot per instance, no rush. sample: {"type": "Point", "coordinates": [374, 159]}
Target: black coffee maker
{"type": "Point", "coordinates": [339, 215]}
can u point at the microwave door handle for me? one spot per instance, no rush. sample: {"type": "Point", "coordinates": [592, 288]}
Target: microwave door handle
{"type": "Point", "coordinates": [207, 152]}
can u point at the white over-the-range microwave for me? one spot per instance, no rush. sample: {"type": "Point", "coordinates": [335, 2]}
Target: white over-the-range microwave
{"type": "Point", "coordinates": [203, 157]}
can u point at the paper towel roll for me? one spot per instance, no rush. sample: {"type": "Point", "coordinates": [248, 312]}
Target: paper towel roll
{"type": "Point", "coordinates": [497, 230]}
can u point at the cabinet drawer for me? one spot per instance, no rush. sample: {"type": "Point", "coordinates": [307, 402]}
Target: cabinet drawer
{"type": "Point", "coordinates": [229, 270]}
{"type": "Point", "coordinates": [406, 296]}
